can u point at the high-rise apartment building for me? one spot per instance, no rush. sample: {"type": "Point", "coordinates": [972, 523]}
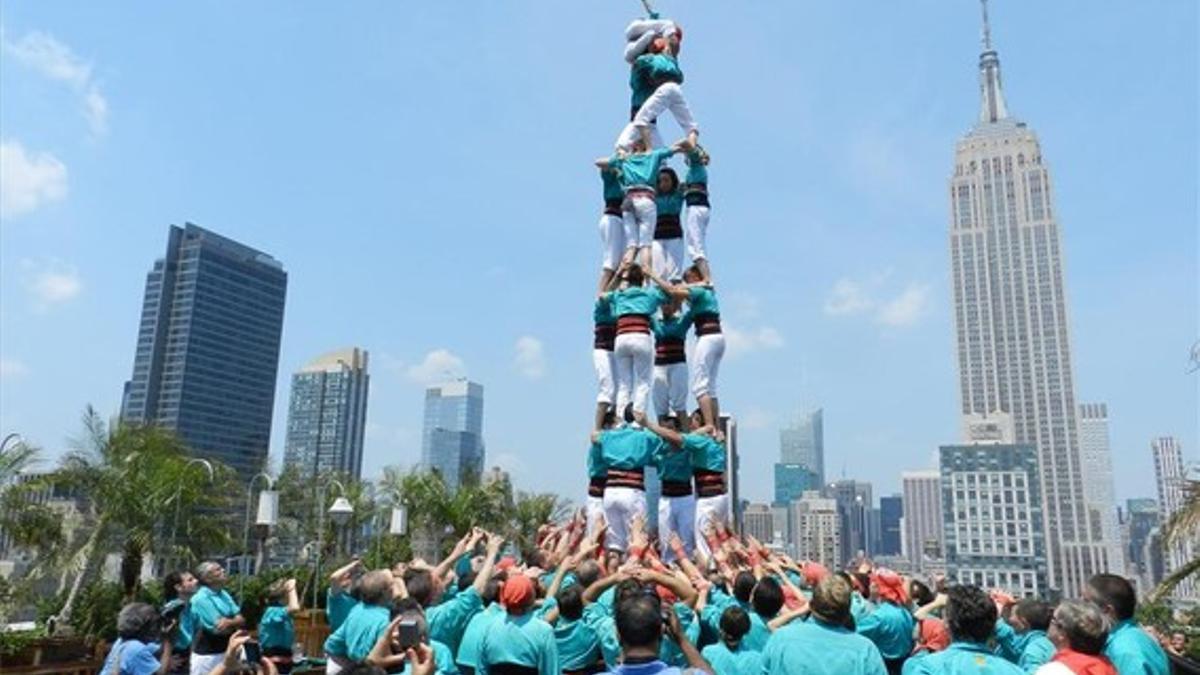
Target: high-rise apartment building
{"type": "Point", "coordinates": [1010, 313]}
{"type": "Point", "coordinates": [817, 528]}
{"type": "Point", "coordinates": [327, 414]}
{"type": "Point", "coordinates": [1096, 456]}
{"type": "Point", "coordinates": [891, 515]}
{"type": "Point", "coordinates": [1171, 476]}
{"type": "Point", "coordinates": [803, 444]}
{"type": "Point", "coordinates": [991, 503]}
{"type": "Point", "coordinates": [758, 521]}
{"type": "Point", "coordinates": [923, 541]}
{"type": "Point", "coordinates": [452, 434]}
{"type": "Point", "coordinates": [208, 347]}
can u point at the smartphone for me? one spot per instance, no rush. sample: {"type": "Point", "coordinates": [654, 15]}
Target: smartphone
{"type": "Point", "coordinates": [252, 653]}
{"type": "Point", "coordinates": [409, 633]}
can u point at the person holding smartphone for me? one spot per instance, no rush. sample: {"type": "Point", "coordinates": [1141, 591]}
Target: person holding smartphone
{"type": "Point", "coordinates": [136, 651]}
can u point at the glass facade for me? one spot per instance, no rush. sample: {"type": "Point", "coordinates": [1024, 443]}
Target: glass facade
{"type": "Point", "coordinates": [327, 414]}
{"type": "Point", "coordinates": [793, 480]}
{"type": "Point", "coordinates": [452, 434]}
{"type": "Point", "coordinates": [208, 347]}
{"type": "Point", "coordinates": [891, 511]}
{"type": "Point", "coordinates": [804, 443]}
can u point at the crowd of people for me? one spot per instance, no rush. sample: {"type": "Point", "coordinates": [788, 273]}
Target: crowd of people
{"type": "Point", "coordinates": [568, 606]}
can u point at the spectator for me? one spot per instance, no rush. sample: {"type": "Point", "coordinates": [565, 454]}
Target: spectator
{"type": "Point", "coordinates": [971, 617]}
{"type": "Point", "coordinates": [391, 654]}
{"type": "Point", "coordinates": [178, 589]}
{"type": "Point", "coordinates": [276, 632]}
{"type": "Point", "coordinates": [340, 598]}
{"type": "Point", "coordinates": [578, 646]}
{"type": "Point", "coordinates": [136, 649]}
{"type": "Point", "coordinates": [1079, 630]}
{"type": "Point", "coordinates": [639, 623]}
{"type": "Point", "coordinates": [1177, 645]}
{"type": "Point", "coordinates": [890, 625]}
{"type": "Point", "coordinates": [467, 656]}
{"type": "Point", "coordinates": [215, 617]}
{"type": "Point", "coordinates": [1021, 636]}
{"type": "Point", "coordinates": [519, 638]}
{"type": "Point", "coordinates": [1129, 648]}
{"type": "Point", "coordinates": [729, 656]}
{"type": "Point", "coordinates": [356, 637]}
{"type": "Point", "coordinates": [822, 645]}
{"type": "Point", "coordinates": [233, 663]}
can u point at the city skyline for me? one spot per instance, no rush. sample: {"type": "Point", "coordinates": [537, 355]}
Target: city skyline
{"type": "Point", "coordinates": [73, 263]}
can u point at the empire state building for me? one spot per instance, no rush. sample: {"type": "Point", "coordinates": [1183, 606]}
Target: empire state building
{"type": "Point", "coordinates": [1011, 316]}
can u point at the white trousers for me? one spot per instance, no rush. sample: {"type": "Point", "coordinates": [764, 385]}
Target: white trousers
{"type": "Point", "coordinates": [603, 360]}
{"type": "Point", "coordinates": [695, 228]}
{"type": "Point", "coordinates": [621, 505]}
{"type": "Point", "coordinates": [706, 363]}
{"type": "Point", "coordinates": [641, 32]}
{"type": "Point", "coordinates": [639, 216]}
{"type": "Point", "coordinates": [670, 388]}
{"type": "Point", "coordinates": [677, 515]}
{"type": "Point", "coordinates": [593, 510]}
{"type": "Point", "coordinates": [634, 370]}
{"type": "Point", "coordinates": [203, 664]}
{"type": "Point", "coordinates": [668, 96]}
{"type": "Point", "coordinates": [710, 510]}
{"type": "Point", "coordinates": [630, 133]}
{"type": "Point", "coordinates": [667, 257]}
{"type": "Point", "coordinates": [612, 240]}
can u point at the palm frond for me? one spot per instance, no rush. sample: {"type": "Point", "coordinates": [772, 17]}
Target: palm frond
{"type": "Point", "coordinates": [1175, 578]}
{"type": "Point", "coordinates": [1185, 523]}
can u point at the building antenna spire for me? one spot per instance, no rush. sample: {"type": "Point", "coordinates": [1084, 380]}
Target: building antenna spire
{"type": "Point", "coordinates": [987, 27]}
{"type": "Point", "coordinates": [992, 106]}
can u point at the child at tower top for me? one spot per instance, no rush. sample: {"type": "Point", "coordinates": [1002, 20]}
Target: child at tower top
{"type": "Point", "coordinates": [655, 81]}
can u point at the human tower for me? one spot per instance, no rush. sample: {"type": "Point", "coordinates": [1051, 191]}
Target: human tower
{"type": "Point", "coordinates": [655, 284]}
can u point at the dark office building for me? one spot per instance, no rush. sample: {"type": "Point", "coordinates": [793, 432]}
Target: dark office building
{"type": "Point", "coordinates": [891, 510]}
{"type": "Point", "coordinates": [208, 347]}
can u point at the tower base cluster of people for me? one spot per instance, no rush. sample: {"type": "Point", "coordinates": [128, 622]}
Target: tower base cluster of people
{"type": "Point", "coordinates": [599, 593]}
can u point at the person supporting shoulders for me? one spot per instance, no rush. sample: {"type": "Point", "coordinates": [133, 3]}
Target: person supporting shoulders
{"type": "Point", "coordinates": [1079, 630]}
{"type": "Point", "coordinates": [519, 638]}
{"type": "Point", "coordinates": [1129, 648]}
{"type": "Point", "coordinates": [729, 655]}
{"type": "Point", "coordinates": [971, 618]}
{"type": "Point", "coordinates": [822, 644]}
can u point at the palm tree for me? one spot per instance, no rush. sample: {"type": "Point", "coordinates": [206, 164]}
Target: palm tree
{"type": "Point", "coordinates": [1183, 527]}
{"type": "Point", "coordinates": [16, 458]}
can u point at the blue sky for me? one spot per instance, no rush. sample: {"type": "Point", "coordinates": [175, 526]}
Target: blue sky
{"type": "Point", "coordinates": [423, 172]}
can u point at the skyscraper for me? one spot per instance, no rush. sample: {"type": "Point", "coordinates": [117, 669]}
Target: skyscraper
{"type": "Point", "coordinates": [1170, 474]}
{"type": "Point", "coordinates": [891, 514]}
{"type": "Point", "coordinates": [208, 347]}
{"type": "Point", "coordinates": [793, 480]}
{"type": "Point", "coordinates": [1010, 313]}
{"type": "Point", "coordinates": [854, 504]}
{"type": "Point", "coordinates": [327, 414]}
{"type": "Point", "coordinates": [817, 529]}
{"type": "Point", "coordinates": [452, 435]}
{"type": "Point", "coordinates": [991, 508]}
{"type": "Point", "coordinates": [759, 522]}
{"type": "Point", "coordinates": [1098, 482]}
{"type": "Point", "coordinates": [1141, 516]}
{"type": "Point", "coordinates": [922, 516]}
{"type": "Point", "coordinates": [803, 444]}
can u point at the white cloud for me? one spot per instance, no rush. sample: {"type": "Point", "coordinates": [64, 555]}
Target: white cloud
{"type": "Point", "coordinates": [531, 357]}
{"type": "Point", "coordinates": [906, 308]}
{"type": "Point", "coordinates": [740, 341]}
{"type": "Point", "coordinates": [44, 54]}
{"type": "Point", "coordinates": [847, 297]}
{"type": "Point", "coordinates": [12, 369]}
{"type": "Point", "coordinates": [50, 282]}
{"type": "Point", "coordinates": [438, 365]}
{"type": "Point", "coordinates": [28, 180]}
{"type": "Point", "coordinates": [755, 419]}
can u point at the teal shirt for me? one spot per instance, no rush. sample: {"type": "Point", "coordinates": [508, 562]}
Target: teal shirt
{"type": "Point", "coordinates": [637, 300]}
{"type": "Point", "coordinates": [640, 169]}
{"type": "Point", "coordinates": [520, 640]}
{"type": "Point", "coordinates": [860, 607]}
{"type": "Point", "coordinates": [449, 620]}
{"type": "Point", "coordinates": [338, 604]}
{"type": "Point", "coordinates": [675, 327]}
{"type": "Point", "coordinates": [468, 647]}
{"type": "Point", "coordinates": [726, 661]}
{"type": "Point", "coordinates": [707, 454]}
{"type": "Point", "coordinates": [599, 617]}
{"type": "Point", "coordinates": [578, 646]}
{"type": "Point", "coordinates": [185, 629]}
{"type": "Point", "coordinates": [443, 660]}
{"type": "Point", "coordinates": [596, 467]}
{"type": "Point", "coordinates": [703, 300]}
{"type": "Point", "coordinates": [960, 658]}
{"type": "Point", "coordinates": [355, 638]}
{"type": "Point", "coordinates": [602, 312]}
{"type": "Point", "coordinates": [672, 463]}
{"type": "Point", "coordinates": [649, 72]}
{"type": "Point", "coordinates": [813, 647]}
{"type": "Point", "coordinates": [1029, 650]}
{"type": "Point", "coordinates": [207, 607]}
{"type": "Point", "coordinates": [697, 172]}
{"type": "Point", "coordinates": [275, 628]}
{"type": "Point", "coordinates": [612, 184]}
{"type": "Point", "coordinates": [890, 627]}
{"type": "Point", "coordinates": [668, 650]}
{"type": "Point", "coordinates": [670, 203]}
{"type": "Point", "coordinates": [628, 448]}
{"type": "Point", "coordinates": [760, 632]}
{"type": "Point", "coordinates": [1133, 652]}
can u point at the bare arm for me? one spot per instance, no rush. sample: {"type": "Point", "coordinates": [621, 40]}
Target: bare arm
{"type": "Point", "coordinates": [600, 585]}
{"type": "Point", "coordinates": [694, 660]}
{"type": "Point", "coordinates": [669, 435]}
{"type": "Point", "coordinates": [293, 599]}
{"type": "Point", "coordinates": [679, 292]}
{"type": "Point", "coordinates": [489, 563]}
{"type": "Point", "coordinates": [787, 616]}
{"type": "Point", "coordinates": [342, 575]}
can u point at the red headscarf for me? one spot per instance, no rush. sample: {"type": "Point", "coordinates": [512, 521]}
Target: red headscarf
{"type": "Point", "coordinates": [932, 635]}
{"type": "Point", "coordinates": [890, 585]}
{"type": "Point", "coordinates": [813, 573]}
{"type": "Point", "coordinates": [516, 593]}
{"type": "Point", "coordinates": [1084, 664]}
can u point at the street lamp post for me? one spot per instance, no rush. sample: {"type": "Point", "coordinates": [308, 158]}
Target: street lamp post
{"type": "Point", "coordinates": [179, 496]}
{"type": "Point", "coordinates": [246, 532]}
{"type": "Point", "coordinates": [340, 512]}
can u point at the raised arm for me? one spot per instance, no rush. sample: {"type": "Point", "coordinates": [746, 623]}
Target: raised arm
{"type": "Point", "coordinates": [293, 599]}
{"type": "Point", "coordinates": [489, 563]}
{"type": "Point", "coordinates": [342, 576]}
{"type": "Point", "coordinates": [678, 292]}
{"type": "Point", "coordinates": [669, 435]}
